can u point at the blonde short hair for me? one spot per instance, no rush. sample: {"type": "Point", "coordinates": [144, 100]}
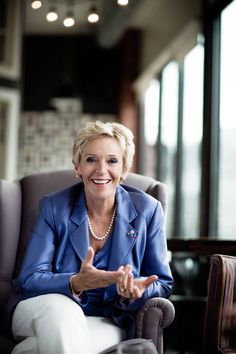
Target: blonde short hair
{"type": "Point", "coordinates": [98, 129]}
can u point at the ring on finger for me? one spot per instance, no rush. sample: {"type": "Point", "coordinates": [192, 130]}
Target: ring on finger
{"type": "Point", "coordinates": [122, 288]}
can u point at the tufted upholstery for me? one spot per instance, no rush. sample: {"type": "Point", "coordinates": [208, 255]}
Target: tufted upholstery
{"type": "Point", "coordinates": [221, 295]}
{"type": "Point", "coordinates": [18, 210]}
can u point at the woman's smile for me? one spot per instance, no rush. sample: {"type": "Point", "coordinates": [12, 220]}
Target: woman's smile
{"type": "Point", "coordinates": [101, 182]}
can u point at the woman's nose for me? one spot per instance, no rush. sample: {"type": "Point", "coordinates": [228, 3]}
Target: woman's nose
{"type": "Point", "coordinates": [101, 167]}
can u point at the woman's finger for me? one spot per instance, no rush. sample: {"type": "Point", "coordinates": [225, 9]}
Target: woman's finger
{"type": "Point", "coordinates": [120, 268]}
{"type": "Point", "coordinates": [136, 293]}
{"type": "Point", "coordinates": [147, 282]}
{"type": "Point", "coordinates": [128, 268]}
{"type": "Point", "coordinates": [89, 257]}
{"type": "Point", "coordinates": [130, 284]}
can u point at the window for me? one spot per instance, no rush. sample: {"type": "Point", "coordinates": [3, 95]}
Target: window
{"type": "Point", "coordinates": [151, 112]}
{"type": "Point", "coordinates": [191, 140]}
{"type": "Point", "coordinates": [173, 129]}
{"type": "Point", "coordinates": [181, 165]}
{"type": "Point", "coordinates": [168, 136]}
{"type": "Point", "coordinates": [227, 173]}
{"type": "Point", "coordinates": [151, 119]}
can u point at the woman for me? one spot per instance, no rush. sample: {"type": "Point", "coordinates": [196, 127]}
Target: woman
{"type": "Point", "coordinates": [98, 250]}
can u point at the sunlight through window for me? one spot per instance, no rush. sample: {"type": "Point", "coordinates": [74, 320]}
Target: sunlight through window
{"type": "Point", "coordinates": [192, 137]}
{"type": "Point", "coordinates": [151, 112]}
{"type": "Point", "coordinates": [227, 191]}
{"type": "Point", "coordinates": [169, 121]}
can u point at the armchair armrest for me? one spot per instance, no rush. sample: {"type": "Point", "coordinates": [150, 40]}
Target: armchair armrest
{"type": "Point", "coordinates": [152, 318]}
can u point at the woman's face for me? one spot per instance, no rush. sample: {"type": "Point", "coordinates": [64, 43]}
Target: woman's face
{"type": "Point", "coordinates": [101, 168]}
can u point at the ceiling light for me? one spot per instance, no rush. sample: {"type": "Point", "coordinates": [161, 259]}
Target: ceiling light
{"type": "Point", "coordinates": [93, 15]}
{"type": "Point", "coordinates": [69, 20]}
{"type": "Point", "coordinates": [122, 2]}
{"type": "Point", "coordinates": [36, 4]}
{"type": "Point", "coordinates": [52, 14]}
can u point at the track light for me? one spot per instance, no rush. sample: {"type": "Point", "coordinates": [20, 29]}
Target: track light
{"type": "Point", "coordinates": [52, 14]}
{"type": "Point", "coordinates": [69, 20]}
{"type": "Point", "coordinates": [122, 2]}
{"type": "Point", "coordinates": [93, 15]}
{"type": "Point", "coordinates": [36, 4]}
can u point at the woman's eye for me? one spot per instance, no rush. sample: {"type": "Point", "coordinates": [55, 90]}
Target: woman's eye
{"type": "Point", "coordinates": [112, 161]}
{"type": "Point", "coordinates": [90, 159]}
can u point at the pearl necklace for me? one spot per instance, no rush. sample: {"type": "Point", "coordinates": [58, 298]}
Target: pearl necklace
{"type": "Point", "coordinates": [100, 238]}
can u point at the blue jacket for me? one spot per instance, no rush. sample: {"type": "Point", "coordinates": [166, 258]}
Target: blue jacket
{"type": "Point", "coordinates": [60, 241]}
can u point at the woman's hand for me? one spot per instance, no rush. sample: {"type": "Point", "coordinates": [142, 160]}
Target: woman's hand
{"type": "Point", "coordinates": [131, 288]}
{"type": "Point", "coordinates": [90, 277]}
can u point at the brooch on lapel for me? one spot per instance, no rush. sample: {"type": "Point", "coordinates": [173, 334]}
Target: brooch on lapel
{"type": "Point", "coordinates": [132, 234]}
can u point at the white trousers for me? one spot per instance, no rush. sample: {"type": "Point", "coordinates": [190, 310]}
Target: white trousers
{"type": "Point", "coordinates": [55, 324]}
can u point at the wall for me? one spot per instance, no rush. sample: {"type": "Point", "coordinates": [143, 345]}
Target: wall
{"type": "Point", "coordinates": [46, 139]}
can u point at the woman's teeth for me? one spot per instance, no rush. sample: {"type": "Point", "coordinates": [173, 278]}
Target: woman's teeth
{"type": "Point", "coordinates": [100, 181]}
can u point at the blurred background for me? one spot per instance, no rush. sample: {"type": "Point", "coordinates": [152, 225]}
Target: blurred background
{"type": "Point", "coordinates": [165, 69]}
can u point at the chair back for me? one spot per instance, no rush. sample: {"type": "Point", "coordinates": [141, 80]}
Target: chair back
{"type": "Point", "coordinates": [10, 216]}
{"type": "Point", "coordinates": [221, 295]}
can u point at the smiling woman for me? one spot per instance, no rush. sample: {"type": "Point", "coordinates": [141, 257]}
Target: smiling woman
{"type": "Point", "coordinates": [97, 254]}
{"type": "Point", "coordinates": [103, 154]}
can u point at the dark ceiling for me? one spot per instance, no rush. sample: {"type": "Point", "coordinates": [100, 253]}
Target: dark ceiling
{"type": "Point", "coordinates": [114, 19]}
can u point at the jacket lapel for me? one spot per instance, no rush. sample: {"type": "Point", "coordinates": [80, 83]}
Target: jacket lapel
{"type": "Point", "coordinates": [79, 236]}
{"type": "Point", "coordinates": [124, 235]}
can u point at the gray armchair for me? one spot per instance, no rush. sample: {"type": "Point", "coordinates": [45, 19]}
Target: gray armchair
{"type": "Point", "coordinates": [18, 209]}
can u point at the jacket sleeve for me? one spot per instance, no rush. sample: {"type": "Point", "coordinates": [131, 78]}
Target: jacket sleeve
{"type": "Point", "coordinates": [36, 276]}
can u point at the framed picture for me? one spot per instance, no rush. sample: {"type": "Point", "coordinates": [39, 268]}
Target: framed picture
{"type": "Point", "coordinates": [10, 39]}
{"type": "Point", "coordinates": [9, 132]}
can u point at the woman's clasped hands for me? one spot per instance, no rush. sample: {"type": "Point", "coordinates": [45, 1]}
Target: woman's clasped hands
{"type": "Point", "coordinates": [127, 286]}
